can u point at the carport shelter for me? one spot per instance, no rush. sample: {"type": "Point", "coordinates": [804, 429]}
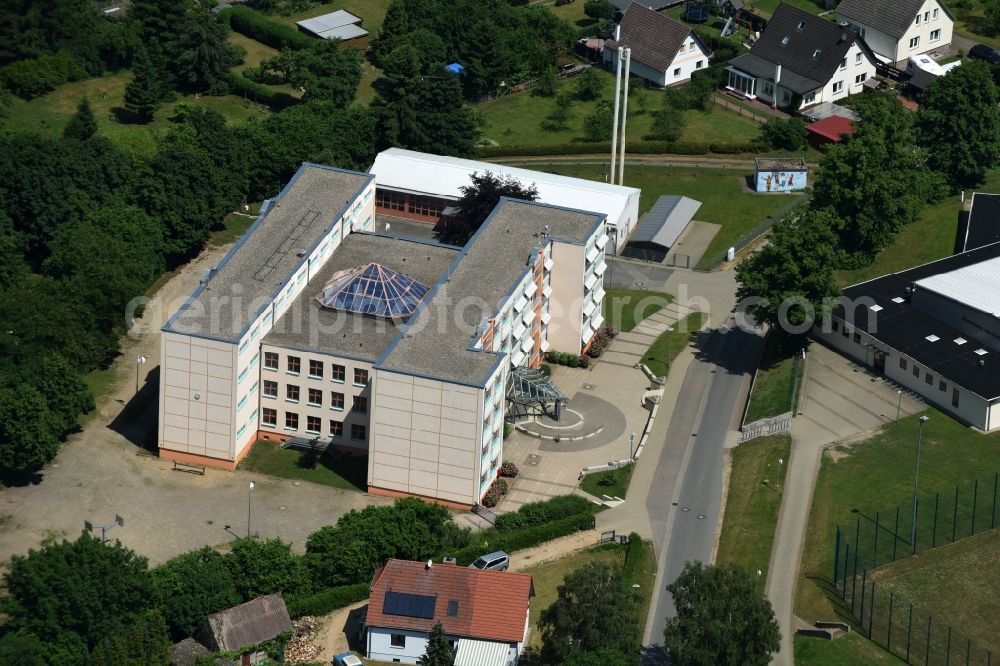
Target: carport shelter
{"type": "Point", "coordinates": [660, 228]}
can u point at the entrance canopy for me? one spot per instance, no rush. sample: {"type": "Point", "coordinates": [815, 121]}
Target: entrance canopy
{"type": "Point", "coordinates": [530, 391]}
{"type": "Point", "coordinates": [471, 652]}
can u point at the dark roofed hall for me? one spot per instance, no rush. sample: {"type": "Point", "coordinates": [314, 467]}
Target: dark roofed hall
{"type": "Point", "coordinates": [247, 624]}
{"type": "Point", "coordinates": [653, 37]}
{"type": "Point", "coordinates": [808, 48]}
{"type": "Point", "coordinates": [893, 17]}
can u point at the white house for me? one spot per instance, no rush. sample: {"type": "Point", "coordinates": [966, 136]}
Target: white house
{"type": "Point", "coordinates": [802, 58]}
{"type": "Point", "coordinates": [484, 613]}
{"type": "Point", "coordinates": [898, 29]}
{"type": "Point", "coordinates": [664, 52]}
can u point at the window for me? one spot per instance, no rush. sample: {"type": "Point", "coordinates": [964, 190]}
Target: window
{"type": "Point", "coordinates": [429, 206]}
{"type": "Point", "coordinates": [294, 365]}
{"type": "Point", "coordinates": [786, 97]}
{"type": "Point", "coordinates": [857, 338]}
{"type": "Point", "coordinates": [857, 59]}
{"type": "Point", "coordinates": [336, 428]}
{"type": "Point", "coordinates": [243, 375]}
{"type": "Point", "coordinates": [847, 333]}
{"type": "Point", "coordinates": [360, 404]}
{"type": "Point", "coordinates": [677, 71]}
{"type": "Point", "coordinates": [292, 393]}
{"type": "Point", "coordinates": [915, 42]}
{"type": "Point", "coordinates": [838, 87]}
{"type": "Point", "coordinates": [902, 363]}
{"type": "Point", "coordinates": [255, 333]}
{"type": "Point", "coordinates": [916, 370]}
{"type": "Point", "coordinates": [934, 15]}
{"type": "Point", "coordinates": [929, 378]}
{"type": "Point", "coordinates": [768, 88]}
{"type": "Point", "coordinates": [358, 432]}
{"type": "Point", "coordinates": [927, 17]}
{"type": "Point", "coordinates": [360, 377]}
{"type": "Point", "coordinates": [954, 397]}
{"type": "Point", "coordinates": [337, 373]}
{"type": "Point", "coordinates": [809, 99]}
{"type": "Point", "coordinates": [690, 47]}
{"type": "Point", "coordinates": [452, 608]}
{"type": "Point", "coordinates": [699, 64]}
{"type": "Point", "coordinates": [935, 35]}
{"type": "Point", "coordinates": [244, 345]}
{"type": "Point", "coordinates": [918, 19]}
{"type": "Point", "coordinates": [390, 200]}
{"type": "Point", "coordinates": [843, 63]}
{"type": "Point", "coordinates": [313, 424]}
{"type": "Point", "coordinates": [270, 389]}
{"type": "Point", "coordinates": [802, 25]}
{"type": "Point", "coordinates": [271, 360]}
{"type": "Point", "coordinates": [255, 360]}
{"type": "Point", "coordinates": [836, 326]}
{"type": "Point", "coordinates": [942, 385]}
{"type": "Point", "coordinates": [860, 78]}
{"type": "Point", "coordinates": [242, 403]}
{"type": "Point", "coordinates": [316, 369]}
{"type": "Point", "coordinates": [291, 421]}
{"type": "Point", "coordinates": [316, 397]}
{"type": "Point", "coordinates": [270, 417]}
{"type": "Point", "coordinates": [336, 400]}
{"type": "Point", "coordinates": [397, 640]}
{"type": "Point", "coordinates": [817, 53]}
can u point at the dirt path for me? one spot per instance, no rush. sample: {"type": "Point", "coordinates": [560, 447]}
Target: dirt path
{"type": "Point", "coordinates": [98, 473]}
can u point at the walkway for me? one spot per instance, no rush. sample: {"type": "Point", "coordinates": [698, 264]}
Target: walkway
{"type": "Point", "coordinates": [839, 399]}
{"type": "Point", "coordinates": [628, 348]}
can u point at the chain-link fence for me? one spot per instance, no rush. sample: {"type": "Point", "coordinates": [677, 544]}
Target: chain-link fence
{"type": "Point", "coordinates": [711, 263]}
{"type": "Point", "coordinates": [908, 631]}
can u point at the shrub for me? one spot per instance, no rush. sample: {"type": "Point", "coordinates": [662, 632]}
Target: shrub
{"type": "Point", "coordinates": [611, 331]}
{"type": "Point", "coordinates": [539, 513]}
{"type": "Point", "coordinates": [573, 361]}
{"type": "Point", "coordinates": [509, 470]}
{"type": "Point", "coordinates": [328, 600]}
{"type": "Point", "coordinates": [545, 369]}
{"type": "Point", "coordinates": [492, 496]}
{"type": "Point", "coordinates": [607, 479]}
{"type": "Point", "coordinates": [33, 78]}
{"type": "Point", "coordinates": [277, 100]}
{"type": "Point", "coordinates": [506, 430]}
{"type": "Point", "coordinates": [257, 26]}
{"type": "Point", "coordinates": [502, 486]}
{"type": "Point", "coordinates": [583, 361]}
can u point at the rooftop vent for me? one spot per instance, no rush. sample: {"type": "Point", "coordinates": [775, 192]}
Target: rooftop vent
{"type": "Point", "coordinates": [899, 299]}
{"type": "Point", "coordinates": [960, 341]}
{"type": "Point", "coordinates": [932, 338]}
{"type": "Point", "coordinates": [980, 352]}
{"type": "Point", "coordinates": [876, 308]}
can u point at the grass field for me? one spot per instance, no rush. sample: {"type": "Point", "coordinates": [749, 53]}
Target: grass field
{"type": "Point", "coordinates": [956, 584]}
{"type": "Point", "coordinates": [625, 308]}
{"type": "Point", "coordinates": [849, 650]}
{"type": "Point", "coordinates": [724, 199]}
{"type": "Point", "coordinates": [772, 388]}
{"type": "Point", "coordinates": [596, 484]}
{"type": "Point", "coordinates": [347, 473]}
{"type": "Point", "coordinates": [876, 475]}
{"type": "Point", "coordinates": [661, 354]}
{"type": "Point", "coordinates": [752, 504]}
{"type": "Point", "coordinates": [573, 12]}
{"type": "Point", "coordinates": [516, 120]}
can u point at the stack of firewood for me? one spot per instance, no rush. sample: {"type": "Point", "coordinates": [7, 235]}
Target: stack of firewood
{"type": "Point", "coordinates": [300, 649]}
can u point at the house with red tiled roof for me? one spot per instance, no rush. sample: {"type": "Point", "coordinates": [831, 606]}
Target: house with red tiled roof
{"type": "Point", "coordinates": [484, 613]}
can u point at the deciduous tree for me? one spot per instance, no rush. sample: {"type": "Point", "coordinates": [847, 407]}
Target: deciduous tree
{"type": "Point", "coordinates": [190, 587]}
{"type": "Point", "coordinates": [266, 566]}
{"type": "Point", "coordinates": [483, 193]}
{"type": "Point", "coordinates": [723, 619]}
{"type": "Point", "coordinates": [589, 85]}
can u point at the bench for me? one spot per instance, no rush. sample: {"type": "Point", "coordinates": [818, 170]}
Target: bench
{"type": "Point", "coordinates": [189, 468]}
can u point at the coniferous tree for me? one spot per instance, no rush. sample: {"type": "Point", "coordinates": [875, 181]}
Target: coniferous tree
{"type": "Point", "coordinates": [143, 95]}
{"type": "Point", "coordinates": [394, 27]}
{"type": "Point", "coordinates": [438, 651]}
{"type": "Point", "coordinates": [82, 125]}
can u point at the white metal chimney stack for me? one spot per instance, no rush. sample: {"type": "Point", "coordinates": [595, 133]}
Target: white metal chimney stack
{"type": "Point", "coordinates": [621, 158]}
{"type": "Point", "coordinates": [614, 123]}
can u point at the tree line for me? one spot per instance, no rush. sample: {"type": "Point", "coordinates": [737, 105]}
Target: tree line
{"type": "Point", "coordinates": [871, 186]}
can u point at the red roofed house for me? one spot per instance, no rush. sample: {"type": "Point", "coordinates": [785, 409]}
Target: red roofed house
{"type": "Point", "coordinates": [484, 613]}
{"type": "Point", "coordinates": [830, 130]}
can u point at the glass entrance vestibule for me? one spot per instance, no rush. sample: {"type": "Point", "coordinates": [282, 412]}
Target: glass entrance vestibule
{"type": "Point", "coordinates": [742, 83]}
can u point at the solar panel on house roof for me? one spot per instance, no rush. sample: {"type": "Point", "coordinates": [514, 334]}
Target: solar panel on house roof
{"type": "Point", "coordinates": [409, 605]}
{"type": "Point", "coordinates": [373, 290]}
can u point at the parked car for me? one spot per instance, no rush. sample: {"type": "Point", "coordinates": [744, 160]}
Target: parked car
{"type": "Point", "coordinates": [496, 561]}
{"type": "Point", "coordinates": [983, 52]}
{"type": "Point", "coordinates": [346, 659]}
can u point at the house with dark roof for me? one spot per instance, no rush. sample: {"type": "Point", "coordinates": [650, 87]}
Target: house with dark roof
{"type": "Point", "coordinates": [898, 29]}
{"type": "Point", "coordinates": [237, 628]}
{"type": "Point", "coordinates": [802, 60]}
{"type": "Point", "coordinates": [664, 52]}
{"type": "Point", "coordinates": [933, 329]}
{"type": "Point", "coordinates": [484, 613]}
{"type": "Point", "coordinates": [655, 5]}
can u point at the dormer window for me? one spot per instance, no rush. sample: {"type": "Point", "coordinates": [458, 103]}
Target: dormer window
{"type": "Point", "coordinates": [802, 25]}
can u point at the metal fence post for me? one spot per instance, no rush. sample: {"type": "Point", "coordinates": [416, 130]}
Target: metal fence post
{"type": "Point", "coordinates": [871, 613]}
{"type": "Point", "coordinates": [909, 633]}
{"type": "Point", "coordinates": [854, 580]}
{"type": "Point", "coordinates": [993, 516]}
{"type": "Point", "coordinates": [836, 557]}
{"type": "Point", "coordinates": [864, 584]}
{"type": "Point", "coordinates": [913, 527]}
{"type": "Point", "coordinates": [895, 534]}
{"type": "Point", "coordinates": [875, 555]}
{"type": "Point", "coordinates": [937, 496]}
{"type": "Point", "coordinates": [975, 498]}
{"type": "Point", "coordinates": [954, 516]}
{"type": "Point", "coordinates": [947, 654]}
{"type": "Point", "coordinates": [927, 648]}
{"type": "Point", "coordinates": [968, 651]}
{"type": "Point", "coordinates": [888, 633]}
{"type": "Point", "coordinates": [847, 559]}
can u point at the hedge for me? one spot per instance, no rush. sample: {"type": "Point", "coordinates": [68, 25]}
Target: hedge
{"type": "Point", "coordinates": [276, 99]}
{"type": "Point", "coordinates": [635, 147]}
{"type": "Point", "coordinates": [538, 513]}
{"type": "Point", "coordinates": [259, 27]}
{"type": "Point", "coordinates": [327, 600]}
{"type": "Point", "coordinates": [493, 539]}
{"type": "Point", "coordinates": [637, 547]}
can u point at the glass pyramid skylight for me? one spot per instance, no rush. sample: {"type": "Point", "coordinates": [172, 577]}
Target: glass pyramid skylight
{"type": "Point", "coordinates": [373, 290]}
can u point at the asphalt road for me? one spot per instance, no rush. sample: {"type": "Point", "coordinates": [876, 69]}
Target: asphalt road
{"type": "Point", "coordinates": [684, 521]}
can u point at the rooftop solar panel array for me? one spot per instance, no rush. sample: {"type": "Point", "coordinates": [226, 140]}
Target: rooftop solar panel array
{"type": "Point", "coordinates": [373, 290]}
{"type": "Point", "coordinates": [409, 605]}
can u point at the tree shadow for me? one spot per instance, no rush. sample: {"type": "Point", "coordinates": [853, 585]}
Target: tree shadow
{"type": "Point", "coordinates": [125, 117]}
{"type": "Point", "coordinates": [730, 348]}
{"type": "Point", "coordinates": [653, 655]}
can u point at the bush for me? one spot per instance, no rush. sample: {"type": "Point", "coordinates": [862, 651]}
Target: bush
{"type": "Point", "coordinates": [583, 361]}
{"type": "Point", "coordinates": [257, 26]}
{"type": "Point", "coordinates": [611, 331]}
{"type": "Point", "coordinates": [493, 495]}
{"type": "Point", "coordinates": [635, 147]}
{"type": "Point", "coordinates": [277, 100]}
{"type": "Point", "coordinates": [637, 549]}
{"type": "Point", "coordinates": [573, 361]}
{"type": "Point", "coordinates": [328, 600]}
{"type": "Point", "coordinates": [502, 486]}
{"type": "Point", "coordinates": [33, 78]}
{"type": "Point", "coordinates": [779, 134]}
{"type": "Point", "coordinates": [506, 430]}
{"type": "Point", "coordinates": [545, 369]}
{"type": "Point", "coordinates": [539, 513]}
{"type": "Point", "coordinates": [508, 470]}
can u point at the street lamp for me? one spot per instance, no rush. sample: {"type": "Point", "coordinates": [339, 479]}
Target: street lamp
{"type": "Point", "coordinates": [670, 359]}
{"type": "Point", "coordinates": [631, 439]}
{"type": "Point", "coordinates": [916, 484]}
{"type": "Point", "coordinates": [899, 402]}
{"type": "Point", "coordinates": [249, 495]}
{"type": "Point", "coordinates": [777, 472]}
{"type": "Point", "coordinates": [139, 360]}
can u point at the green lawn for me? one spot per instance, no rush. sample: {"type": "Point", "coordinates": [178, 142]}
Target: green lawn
{"type": "Point", "coordinates": [772, 388]}
{"type": "Point", "coordinates": [722, 193]}
{"type": "Point", "coordinates": [515, 120]}
{"type": "Point", "coordinates": [347, 473]}
{"type": "Point", "coordinates": [372, 12]}
{"type": "Point", "coordinates": [256, 52]}
{"type": "Point", "coordinates": [613, 483]}
{"type": "Point", "coordinates": [664, 350]}
{"type": "Point", "coordinates": [955, 584]}
{"type": "Point", "coordinates": [625, 308]}
{"type": "Point", "coordinates": [573, 13]}
{"type": "Point", "coordinates": [752, 504]}
{"type": "Point", "coordinates": [849, 650]}
{"type": "Point", "coordinates": [876, 475]}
